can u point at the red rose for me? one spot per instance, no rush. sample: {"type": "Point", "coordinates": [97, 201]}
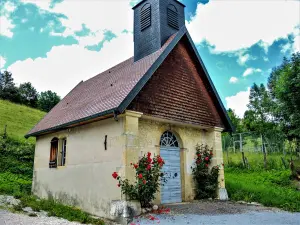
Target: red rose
{"type": "Point", "coordinates": [119, 185]}
{"type": "Point", "coordinates": [211, 153]}
{"type": "Point", "coordinates": [144, 181]}
{"type": "Point", "coordinates": [149, 154]}
{"type": "Point", "coordinates": [206, 158]}
{"type": "Point", "coordinates": [206, 165]}
{"type": "Point", "coordinates": [140, 176]}
{"type": "Point", "coordinates": [198, 161]}
{"type": "Point", "coordinates": [159, 160]}
{"type": "Point", "coordinates": [115, 175]}
{"type": "Point", "coordinates": [149, 167]}
{"type": "Point", "coordinates": [136, 166]}
{"type": "Point", "coordinates": [149, 160]}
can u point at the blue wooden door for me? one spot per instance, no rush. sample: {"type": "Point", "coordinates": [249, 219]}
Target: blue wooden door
{"type": "Point", "coordinates": [171, 189]}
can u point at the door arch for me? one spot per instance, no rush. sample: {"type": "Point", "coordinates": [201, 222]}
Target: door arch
{"type": "Point", "coordinates": [170, 152]}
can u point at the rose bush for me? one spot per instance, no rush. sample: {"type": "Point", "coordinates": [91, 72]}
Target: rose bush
{"type": "Point", "coordinates": [206, 180]}
{"type": "Point", "coordinates": [148, 177]}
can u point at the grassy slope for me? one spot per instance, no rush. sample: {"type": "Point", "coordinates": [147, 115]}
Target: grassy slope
{"type": "Point", "coordinates": [271, 188]}
{"type": "Point", "coordinates": [18, 118]}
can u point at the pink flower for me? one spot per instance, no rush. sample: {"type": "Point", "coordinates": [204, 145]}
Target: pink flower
{"type": "Point", "coordinates": [140, 176]}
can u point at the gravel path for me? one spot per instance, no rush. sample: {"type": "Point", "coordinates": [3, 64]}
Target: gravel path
{"type": "Point", "coordinates": [8, 218]}
{"type": "Point", "coordinates": [220, 213]}
{"type": "Point", "coordinates": [198, 213]}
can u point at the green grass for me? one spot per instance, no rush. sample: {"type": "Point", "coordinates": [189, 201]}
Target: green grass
{"type": "Point", "coordinates": [19, 119]}
{"type": "Point", "coordinates": [256, 160]}
{"type": "Point", "coordinates": [270, 188]}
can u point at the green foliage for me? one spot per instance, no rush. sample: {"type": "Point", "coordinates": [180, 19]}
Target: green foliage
{"type": "Point", "coordinates": [148, 176]}
{"type": "Point", "coordinates": [19, 119]}
{"type": "Point", "coordinates": [206, 180]}
{"type": "Point", "coordinates": [28, 95]}
{"type": "Point", "coordinates": [236, 121]}
{"type": "Point", "coordinates": [256, 161]}
{"type": "Point", "coordinates": [8, 90]}
{"type": "Point", "coordinates": [271, 188]}
{"type": "Point", "coordinates": [284, 85]}
{"type": "Point", "coordinates": [47, 100]}
{"type": "Point", "coordinates": [14, 184]}
{"type": "Point", "coordinates": [16, 157]}
{"type": "Point", "coordinates": [259, 117]}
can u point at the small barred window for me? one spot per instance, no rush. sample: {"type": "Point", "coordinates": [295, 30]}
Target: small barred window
{"type": "Point", "coordinates": [172, 16]}
{"type": "Point", "coordinates": [145, 16]}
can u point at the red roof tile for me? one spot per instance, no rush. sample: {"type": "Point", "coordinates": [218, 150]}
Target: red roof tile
{"type": "Point", "coordinates": [106, 91]}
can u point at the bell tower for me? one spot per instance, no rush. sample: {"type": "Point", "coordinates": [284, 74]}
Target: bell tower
{"type": "Point", "coordinates": [154, 22]}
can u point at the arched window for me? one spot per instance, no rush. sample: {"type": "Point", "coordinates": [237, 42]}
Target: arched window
{"type": "Point", "coordinates": [172, 16]}
{"type": "Point", "coordinates": [145, 16]}
{"type": "Point", "coordinates": [53, 153]}
{"type": "Point", "coordinates": [168, 139]}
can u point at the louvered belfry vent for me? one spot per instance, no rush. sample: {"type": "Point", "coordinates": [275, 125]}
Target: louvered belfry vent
{"type": "Point", "coordinates": [172, 17]}
{"type": "Point", "coordinates": [145, 16]}
{"type": "Point", "coordinates": [155, 21]}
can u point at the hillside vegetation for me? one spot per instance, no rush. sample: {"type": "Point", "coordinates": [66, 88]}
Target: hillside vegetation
{"type": "Point", "coordinates": [19, 119]}
{"type": "Point", "coordinates": [16, 164]}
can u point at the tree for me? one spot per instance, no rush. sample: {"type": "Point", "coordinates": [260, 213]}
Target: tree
{"type": "Point", "coordinates": [259, 116]}
{"type": "Point", "coordinates": [236, 121]}
{"type": "Point", "coordinates": [284, 85]}
{"type": "Point", "coordinates": [8, 90]}
{"type": "Point", "coordinates": [28, 94]}
{"type": "Point", "coordinates": [47, 100]}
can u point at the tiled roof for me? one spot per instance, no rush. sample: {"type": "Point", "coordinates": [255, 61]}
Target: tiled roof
{"type": "Point", "coordinates": [100, 94]}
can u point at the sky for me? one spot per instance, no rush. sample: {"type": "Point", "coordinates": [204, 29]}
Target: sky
{"type": "Point", "coordinates": [55, 44]}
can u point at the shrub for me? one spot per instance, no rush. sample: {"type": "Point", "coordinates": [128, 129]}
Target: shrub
{"type": "Point", "coordinates": [206, 180]}
{"type": "Point", "coordinates": [16, 157]}
{"type": "Point", "coordinates": [148, 176]}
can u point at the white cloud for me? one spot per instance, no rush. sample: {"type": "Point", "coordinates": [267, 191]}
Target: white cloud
{"type": "Point", "coordinates": [243, 58]}
{"type": "Point", "coordinates": [233, 80]}
{"type": "Point", "coordinates": [96, 15]}
{"type": "Point", "coordinates": [233, 25]}
{"type": "Point", "coordinates": [2, 62]}
{"type": "Point", "coordinates": [43, 4]}
{"type": "Point", "coordinates": [297, 44]}
{"type": "Point", "coordinates": [6, 26]}
{"type": "Point", "coordinates": [238, 102]}
{"type": "Point", "coordinates": [65, 66]}
{"type": "Point", "coordinates": [250, 71]}
{"type": "Point", "coordinates": [5, 21]}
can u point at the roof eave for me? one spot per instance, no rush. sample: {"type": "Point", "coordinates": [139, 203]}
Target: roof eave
{"type": "Point", "coordinates": [65, 125]}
